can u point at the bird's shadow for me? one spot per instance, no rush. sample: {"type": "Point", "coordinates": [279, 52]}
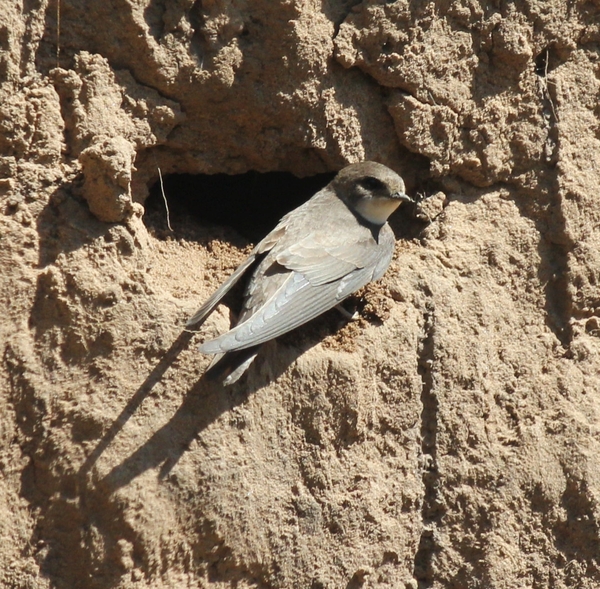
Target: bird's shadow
{"type": "Point", "coordinates": [203, 404]}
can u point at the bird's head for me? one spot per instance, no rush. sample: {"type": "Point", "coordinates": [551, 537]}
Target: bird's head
{"type": "Point", "coordinates": [371, 190]}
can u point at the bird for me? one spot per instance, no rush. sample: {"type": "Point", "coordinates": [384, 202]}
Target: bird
{"type": "Point", "coordinates": [320, 253]}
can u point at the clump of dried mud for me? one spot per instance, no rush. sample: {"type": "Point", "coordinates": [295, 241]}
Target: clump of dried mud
{"type": "Point", "coordinates": [449, 439]}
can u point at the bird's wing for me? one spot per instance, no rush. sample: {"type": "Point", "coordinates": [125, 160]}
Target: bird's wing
{"type": "Point", "coordinates": [296, 301]}
{"type": "Point", "coordinates": [323, 257]}
{"type": "Point", "coordinates": [215, 299]}
{"type": "Point", "coordinates": [261, 248]}
{"type": "Point", "coordinates": [319, 265]}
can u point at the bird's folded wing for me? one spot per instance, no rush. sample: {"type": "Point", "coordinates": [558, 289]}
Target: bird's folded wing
{"type": "Point", "coordinates": [321, 264]}
{"type": "Point", "coordinates": [295, 302]}
{"type": "Point", "coordinates": [316, 273]}
{"type": "Point", "coordinates": [214, 300]}
{"type": "Point", "coordinates": [317, 265]}
{"type": "Point", "coordinates": [261, 248]}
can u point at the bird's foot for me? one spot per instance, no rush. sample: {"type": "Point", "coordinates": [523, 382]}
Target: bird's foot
{"type": "Point", "coordinates": [347, 314]}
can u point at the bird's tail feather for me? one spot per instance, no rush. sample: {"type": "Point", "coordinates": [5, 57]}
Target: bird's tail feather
{"type": "Point", "coordinates": [229, 367]}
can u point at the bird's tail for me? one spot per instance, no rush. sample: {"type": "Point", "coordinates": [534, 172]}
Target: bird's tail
{"type": "Point", "coordinates": [230, 366]}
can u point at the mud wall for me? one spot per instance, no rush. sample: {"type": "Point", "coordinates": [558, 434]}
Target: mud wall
{"type": "Point", "coordinates": [452, 443]}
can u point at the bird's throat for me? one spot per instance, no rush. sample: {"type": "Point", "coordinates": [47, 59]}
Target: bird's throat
{"type": "Point", "coordinates": [376, 210]}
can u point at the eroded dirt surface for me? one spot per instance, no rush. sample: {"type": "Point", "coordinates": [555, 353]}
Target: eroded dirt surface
{"type": "Point", "coordinates": [448, 439]}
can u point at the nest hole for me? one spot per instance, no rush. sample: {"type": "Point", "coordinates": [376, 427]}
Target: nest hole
{"type": "Point", "coordinates": [251, 203]}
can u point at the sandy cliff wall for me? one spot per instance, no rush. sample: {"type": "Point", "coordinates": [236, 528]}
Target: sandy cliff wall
{"type": "Point", "coordinates": [454, 443]}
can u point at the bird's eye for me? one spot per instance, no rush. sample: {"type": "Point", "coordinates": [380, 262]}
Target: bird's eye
{"type": "Point", "coordinates": [371, 183]}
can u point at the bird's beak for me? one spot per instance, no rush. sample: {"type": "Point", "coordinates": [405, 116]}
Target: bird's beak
{"type": "Point", "coordinates": [402, 196]}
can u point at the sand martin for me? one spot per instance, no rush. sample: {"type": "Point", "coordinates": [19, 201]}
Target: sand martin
{"type": "Point", "coordinates": [318, 254]}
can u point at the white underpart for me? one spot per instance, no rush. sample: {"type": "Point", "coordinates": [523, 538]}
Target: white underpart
{"type": "Point", "coordinates": [377, 210]}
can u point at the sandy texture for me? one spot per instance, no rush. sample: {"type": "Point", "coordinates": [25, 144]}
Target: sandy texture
{"type": "Point", "coordinates": [449, 439]}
